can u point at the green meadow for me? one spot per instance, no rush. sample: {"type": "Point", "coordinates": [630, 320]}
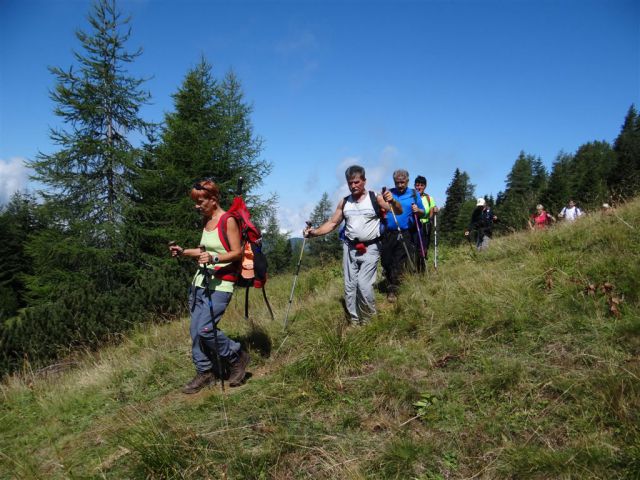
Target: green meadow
{"type": "Point", "coordinates": [519, 362]}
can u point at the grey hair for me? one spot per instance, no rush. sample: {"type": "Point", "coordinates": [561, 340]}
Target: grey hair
{"type": "Point", "coordinates": [354, 170]}
{"type": "Point", "coordinates": [401, 173]}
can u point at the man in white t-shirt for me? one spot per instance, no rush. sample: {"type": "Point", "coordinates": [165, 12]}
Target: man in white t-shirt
{"type": "Point", "coordinates": [570, 212]}
{"type": "Point", "coordinates": [362, 211]}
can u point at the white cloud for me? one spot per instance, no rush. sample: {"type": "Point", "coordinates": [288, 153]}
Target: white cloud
{"type": "Point", "coordinates": [13, 177]}
{"type": "Point", "coordinates": [292, 219]}
{"type": "Point", "coordinates": [379, 173]}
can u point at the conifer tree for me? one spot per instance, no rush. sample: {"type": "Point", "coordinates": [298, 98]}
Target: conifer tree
{"type": "Point", "coordinates": [18, 220]}
{"type": "Point", "coordinates": [80, 288]}
{"type": "Point", "coordinates": [624, 179]}
{"type": "Point", "coordinates": [524, 184]}
{"type": "Point", "coordinates": [89, 178]}
{"type": "Point", "coordinates": [591, 167]}
{"type": "Point", "coordinates": [208, 135]}
{"type": "Point", "coordinates": [560, 185]}
{"type": "Point", "coordinates": [459, 191]}
{"type": "Point", "coordinates": [276, 245]}
{"type": "Point", "coordinates": [326, 247]}
{"type": "Point", "coordinates": [238, 148]}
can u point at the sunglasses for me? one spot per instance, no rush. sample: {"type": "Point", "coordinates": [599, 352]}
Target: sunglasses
{"type": "Point", "coordinates": [198, 185]}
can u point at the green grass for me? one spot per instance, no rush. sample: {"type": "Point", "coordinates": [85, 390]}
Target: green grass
{"type": "Point", "coordinates": [506, 364]}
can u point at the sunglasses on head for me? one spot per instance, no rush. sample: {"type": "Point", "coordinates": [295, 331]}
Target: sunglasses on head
{"type": "Point", "coordinates": [198, 185]}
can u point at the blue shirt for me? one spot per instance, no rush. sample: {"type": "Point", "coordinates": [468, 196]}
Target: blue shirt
{"type": "Point", "coordinates": [406, 219]}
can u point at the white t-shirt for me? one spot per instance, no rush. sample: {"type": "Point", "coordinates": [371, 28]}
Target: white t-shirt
{"type": "Point", "coordinates": [571, 213]}
{"type": "Point", "coordinates": [361, 221]}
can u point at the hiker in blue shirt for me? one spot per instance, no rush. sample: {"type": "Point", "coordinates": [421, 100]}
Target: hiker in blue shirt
{"type": "Point", "coordinates": [397, 247]}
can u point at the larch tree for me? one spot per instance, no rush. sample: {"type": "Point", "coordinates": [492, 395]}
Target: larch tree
{"type": "Point", "coordinates": [89, 177]}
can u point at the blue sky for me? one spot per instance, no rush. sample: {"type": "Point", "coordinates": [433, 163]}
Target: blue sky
{"type": "Point", "coordinates": [429, 86]}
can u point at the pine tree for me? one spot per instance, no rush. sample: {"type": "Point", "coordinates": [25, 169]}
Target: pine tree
{"type": "Point", "coordinates": [624, 179]}
{"type": "Point", "coordinates": [459, 191]}
{"type": "Point", "coordinates": [183, 154]}
{"type": "Point", "coordinates": [276, 245]}
{"type": "Point", "coordinates": [591, 167]}
{"type": "Point", "coordinates": [18, 220]}
{"type": "Point", "coordinates": [560, 185]}
{"type": "Point", "coordinates": [525, 183]}
{"type": "Point", "coordinates": [238, 148]}
{"type": "Point", "coordinates": [326, 247]}
{"type": "Point", "coordinates": [208, 135]}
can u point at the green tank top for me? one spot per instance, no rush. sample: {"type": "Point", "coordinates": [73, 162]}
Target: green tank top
{"type": "Point", "coordinates": [213, 245]}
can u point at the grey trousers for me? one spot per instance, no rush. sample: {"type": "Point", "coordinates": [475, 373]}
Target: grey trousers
{"type": "Point", "coordinates": [359, 278]}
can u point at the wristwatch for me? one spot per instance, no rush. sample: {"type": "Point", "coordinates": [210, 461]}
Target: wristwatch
{"type": "Point", "coordinates": [215, 258]}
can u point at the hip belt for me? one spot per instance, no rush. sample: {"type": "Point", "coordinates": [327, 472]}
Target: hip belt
{"type": "Point", "coordinates": [353, 243]}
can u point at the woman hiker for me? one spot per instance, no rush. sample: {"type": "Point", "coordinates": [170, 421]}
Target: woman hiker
{"type": "Point", "coordinates": [541, 219]}
{"type": "Point", "coordinates": [211, 291]}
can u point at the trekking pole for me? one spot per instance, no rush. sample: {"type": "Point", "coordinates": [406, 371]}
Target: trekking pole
{"type": "Point", "coordinates": [435, 241]}
{"type": "Point", "coordinates": [400, 237]}
{"type": "Point", "coordinates": [418, 228]}
{"type": "Point", "coordinates": [295, 279]}
{"type": "Point", "coordinates": [207, 294]}
{"type": "Point", "coordinates": [473, 250]}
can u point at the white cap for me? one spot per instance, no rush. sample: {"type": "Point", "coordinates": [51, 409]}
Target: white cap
{"type": "Point", "coordinates": [481, 202]}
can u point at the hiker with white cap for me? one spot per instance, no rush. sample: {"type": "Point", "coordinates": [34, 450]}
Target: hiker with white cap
{"type": "Point", "coordinates": [482, 220]}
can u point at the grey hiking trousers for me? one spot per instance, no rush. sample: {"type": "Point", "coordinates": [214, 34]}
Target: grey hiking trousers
{"type": "Point", "coordinates": [359, 279]}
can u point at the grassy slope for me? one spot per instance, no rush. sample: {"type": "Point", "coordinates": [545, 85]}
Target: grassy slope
{"type": "Point", "coordinates": [503, 365]}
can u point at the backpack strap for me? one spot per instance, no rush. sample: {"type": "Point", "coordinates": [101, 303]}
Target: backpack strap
{"type": "Point", "coordinates": [344, 203]}
{"type": "Point", "coordinates": [222, 230]}
{"type": "Point", "coordinates": [374, 202]}
{"type": "Point", "coordinates": [228, 272]}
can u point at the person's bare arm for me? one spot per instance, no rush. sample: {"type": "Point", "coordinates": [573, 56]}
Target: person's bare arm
{"type": "Point", "coordinates": [328, 226]}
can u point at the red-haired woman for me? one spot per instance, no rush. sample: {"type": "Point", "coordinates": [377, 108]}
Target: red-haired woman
{"type": "Point", "coordinates": [206, 338]}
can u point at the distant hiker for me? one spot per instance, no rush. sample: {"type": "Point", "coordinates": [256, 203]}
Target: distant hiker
{"type": "Point", "coordinates": [363, 212]}
{"type": "Point", "coordinates": [541, 219]}
{"type": "Point", "coordinates": [218, 267]}
{"type": "Point", "coordinates": [571, 212]}
{"type": "Point", "coordinates": [482, 220]}
{"type": "Point", "coordinates": [397, 247]}
{"type": "Point", "coordinates": [426, 222]}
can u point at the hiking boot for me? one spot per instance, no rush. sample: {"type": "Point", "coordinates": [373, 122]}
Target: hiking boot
{"type": "Point", "coordinates": [391, 297]}
{"type": "Point", "coordinates": [237, 369]}
{"type": "Point", "coordinates": [197, 383]}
